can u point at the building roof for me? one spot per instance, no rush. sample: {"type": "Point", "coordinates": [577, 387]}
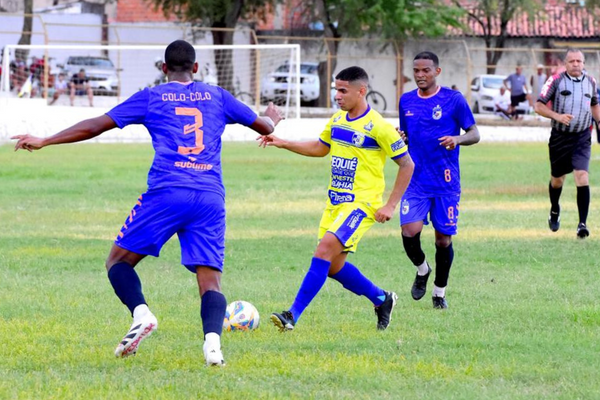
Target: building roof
{"type": "Point", "coordinates": [558, 20]}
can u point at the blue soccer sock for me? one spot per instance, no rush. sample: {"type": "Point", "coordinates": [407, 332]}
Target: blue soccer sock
{"type": "Point", "coordinates": [353, 280]}
{"type": "Point", "coordinates": [127, 285]}
{"type": "Point", "coordinates": [212, 312]}
{"type": "Point", "coordinates": [313, 282]}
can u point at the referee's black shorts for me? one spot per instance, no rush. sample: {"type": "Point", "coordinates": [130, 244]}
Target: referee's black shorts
{"type": "Point", "coordinates": [569, 151]}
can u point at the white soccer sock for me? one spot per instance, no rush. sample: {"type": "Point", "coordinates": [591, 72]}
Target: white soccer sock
{"type": "Point", "coordinates": [212, 340]}
{"type": "Point", "coordinates": [423, 269]}
{"type": "Point", "coordinates": [439, 291]}
{"type": "Point", "coordinates": [140, 311]}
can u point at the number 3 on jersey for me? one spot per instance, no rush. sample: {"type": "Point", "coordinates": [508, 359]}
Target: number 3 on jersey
{"type": "Point", "coordinates": [189, 128]}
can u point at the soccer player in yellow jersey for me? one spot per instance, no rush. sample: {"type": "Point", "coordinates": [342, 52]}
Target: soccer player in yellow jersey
{"type": "Point", "coordinates": [359, 140]}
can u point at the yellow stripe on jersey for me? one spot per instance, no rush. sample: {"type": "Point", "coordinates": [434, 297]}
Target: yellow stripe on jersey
{"type": "Point", "coordinates": [358, 151]}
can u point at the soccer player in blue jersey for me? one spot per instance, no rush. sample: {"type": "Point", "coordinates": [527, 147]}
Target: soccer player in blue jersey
{"type": "Point", "coordinates": [359, 140]}
{"type": "Point", "coordinates": [431, 119]}
{"type": "Point", "coordinates": [185, 194]}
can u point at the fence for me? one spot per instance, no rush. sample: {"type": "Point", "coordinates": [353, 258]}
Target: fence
{"type": "Point", "coordinates": [387, 62]}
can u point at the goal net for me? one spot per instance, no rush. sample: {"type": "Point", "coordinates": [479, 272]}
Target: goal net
{"type": "Point", "coordinates": [255, 74]}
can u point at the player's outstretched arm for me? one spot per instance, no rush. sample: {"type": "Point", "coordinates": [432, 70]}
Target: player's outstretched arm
{"type": "Point", "coordinates": [265, 125]}
{"type": "Point", "coordinates": [81, 131]}
{"type": "Point", "coordinates": [405, 171]}
{"type": "Point", "coordinates": [312, 148]}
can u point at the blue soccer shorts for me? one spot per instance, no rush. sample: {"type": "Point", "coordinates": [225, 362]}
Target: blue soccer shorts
{"type": "Point", "coordinates": [197, 217]}
{"type": "Point", "coordinates": [443, 211]}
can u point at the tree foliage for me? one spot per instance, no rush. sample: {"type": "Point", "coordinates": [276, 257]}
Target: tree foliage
{"type": "Point", "coordinates": [492, 14]}
{"type": "Point", "coordinates": [388, 19]}
{"type": "Point", "coordinates": [215, 14]}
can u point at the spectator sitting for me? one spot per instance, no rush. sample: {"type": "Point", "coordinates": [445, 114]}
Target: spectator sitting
{"type": "Point", "coordinates": [60, 87]}
{"type": "Point", "coordinates": [502, 104]}
{"type": "Point", "coordinates": [80, 86]}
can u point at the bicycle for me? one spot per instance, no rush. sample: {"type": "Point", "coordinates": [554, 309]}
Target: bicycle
{"type": "Point", "coordinates": [376, 100]}
{"type": "Point", "coordinates": [245, 97]}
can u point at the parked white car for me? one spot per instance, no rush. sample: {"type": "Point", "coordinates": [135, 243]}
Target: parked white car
{"type": "Point", "coordinates": [275, 85]}
{"type": "Point", "coordinates": [100, 71]}
{"type": "Point", "coordinates": [483, 90]}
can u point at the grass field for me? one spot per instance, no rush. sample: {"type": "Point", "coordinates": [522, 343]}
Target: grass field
{"type": "Point", "coordinates": [523, 322]}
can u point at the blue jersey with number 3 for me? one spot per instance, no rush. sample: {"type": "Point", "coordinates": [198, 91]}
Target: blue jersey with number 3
{"type": "Point", "coordinates": [186, 122]}
{"type": "Point", "coordinates": [425, 120]}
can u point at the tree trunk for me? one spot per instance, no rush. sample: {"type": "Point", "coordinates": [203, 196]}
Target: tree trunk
{"type": "Point", "coordinates": [326, 68]}
{"type": "Point", "coordinates": [21, 54]}
{"type": "Point", "coordinates": [224, 58]}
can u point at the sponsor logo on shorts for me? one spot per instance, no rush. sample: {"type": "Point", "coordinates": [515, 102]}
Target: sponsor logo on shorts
{"type": "Point", "coordinates": [405, 207]}
{"type": "Point", "coordinates": [408, 114]}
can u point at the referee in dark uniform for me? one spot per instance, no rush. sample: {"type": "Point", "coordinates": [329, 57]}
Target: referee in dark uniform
{"type": "Point", "coordinates": [574, 106]}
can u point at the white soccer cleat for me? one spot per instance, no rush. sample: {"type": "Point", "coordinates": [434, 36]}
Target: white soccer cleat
{"type": "Point", "coordinates": [144, 323]}
{"type": "Point", "coordinates": [212, 351]}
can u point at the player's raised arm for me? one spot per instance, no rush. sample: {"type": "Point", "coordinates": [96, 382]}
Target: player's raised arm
{"type": "Point", "coordinates": [265, 125]}
{"type": "Point", "coordinates": [81, 131]}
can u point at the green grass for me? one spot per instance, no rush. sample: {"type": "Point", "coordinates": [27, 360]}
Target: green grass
{"type": "Point", "coordinates": [523, 322]}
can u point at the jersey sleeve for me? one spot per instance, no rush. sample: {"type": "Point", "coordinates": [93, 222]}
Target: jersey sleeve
{"type": "Point", "coordinates": [389, 141]}
{"type": "Point", "coordinates": [464, 115]}
{"type": "Point", "coordinates": [403, 125]}
{"type": "Point", "coordinates": [548, 90]}
{"type": "Point", "coordinates": [325, 136]}
{"type": "Point", "coordinates": [131, 111]}
{"type": "Point", "coordinates": [594, 92]}
{"type": "Point", "coordinates": [237, 112]}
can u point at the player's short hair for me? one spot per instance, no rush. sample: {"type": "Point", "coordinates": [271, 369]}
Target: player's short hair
{"type": "Point", "coordinates": [180, 56]}
{"type": "Point", "coordinates": [428, 55]}
{"type": "Point", "coordinates": [353, 74]}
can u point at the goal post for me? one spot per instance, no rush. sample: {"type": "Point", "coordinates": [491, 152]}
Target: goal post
{"type": "Point", "coordinates": [252, 73]}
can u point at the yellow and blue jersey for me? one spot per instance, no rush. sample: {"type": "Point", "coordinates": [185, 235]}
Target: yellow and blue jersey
{"type": "Point", "coordinates": [358, 149]}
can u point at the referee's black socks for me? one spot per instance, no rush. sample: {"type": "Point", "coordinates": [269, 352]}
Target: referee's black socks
{"type": "Point", "coordinates": [583, 202]}
{"type": "Point", "coordinates": [555, 197]}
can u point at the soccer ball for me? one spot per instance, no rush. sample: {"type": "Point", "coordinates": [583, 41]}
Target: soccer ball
{"type": "Point", "coordinates": [241, 316]}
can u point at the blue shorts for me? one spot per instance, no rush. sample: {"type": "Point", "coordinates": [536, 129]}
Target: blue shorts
{"type": "Point", "coordinates": [198, 218]}
{"type": "Point", "coordinates": [443, 211]}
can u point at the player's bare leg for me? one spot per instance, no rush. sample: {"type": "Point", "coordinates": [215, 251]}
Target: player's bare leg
{"type": "Point", "coordinates": [120, 265]}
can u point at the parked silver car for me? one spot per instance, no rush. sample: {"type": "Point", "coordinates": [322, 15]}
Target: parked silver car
{"type": "Point", "coordinates": [275, 85]}
{"type": "Point", "coordinates": [100, 71]}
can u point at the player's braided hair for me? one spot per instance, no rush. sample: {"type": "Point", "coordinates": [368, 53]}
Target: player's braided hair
{"type": "Point", "coordinates": [180, 56]}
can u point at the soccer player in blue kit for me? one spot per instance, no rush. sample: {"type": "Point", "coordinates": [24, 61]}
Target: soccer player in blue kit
{"type": "Point", "coordinates": [431, 119]}
{"type": "Point", "coordinates": [185, 194]}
